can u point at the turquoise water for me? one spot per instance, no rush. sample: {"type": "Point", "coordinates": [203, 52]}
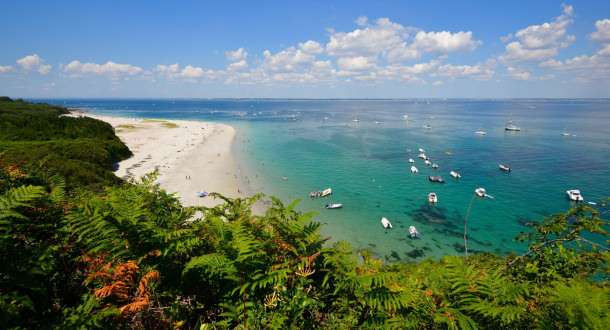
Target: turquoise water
{"type": "Point", "coordinates": [366, 164]}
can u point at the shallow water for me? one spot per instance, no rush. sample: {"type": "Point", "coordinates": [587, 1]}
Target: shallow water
{"type": "Point", "coordinates": [366, 164]}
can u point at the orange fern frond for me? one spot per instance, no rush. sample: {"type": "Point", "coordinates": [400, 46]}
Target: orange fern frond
{"type": "Point", "coordinates": [118, 289]}
{"type": "Point", "coordinates": [134, 307]}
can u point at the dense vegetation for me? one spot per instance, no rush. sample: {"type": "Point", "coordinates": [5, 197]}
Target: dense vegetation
{"type": "Point", "coordinates": [78, 150]}
{"type": "Point", "coordinates": [132, 256]}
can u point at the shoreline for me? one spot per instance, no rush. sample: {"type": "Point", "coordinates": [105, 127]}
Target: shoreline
{"type": "Point", "coordinates": [190, 156]}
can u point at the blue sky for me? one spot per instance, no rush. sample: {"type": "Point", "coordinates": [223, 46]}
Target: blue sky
{"type": "Point", "coordinates": [307, 49]}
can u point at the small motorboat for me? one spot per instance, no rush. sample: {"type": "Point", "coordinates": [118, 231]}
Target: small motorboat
{"type": "Point", "coordinates": [432, 198]}
{"type": "Point", "coordinates": [421, 150]}
{"type": "Point", "coordinates": [414, 233]}
{"type": "Point", "coordinates": [439, 179]}
{"type": "Point", "coordinates": [386, 223]}
{"type": "Point", "coordinates": [325, 192]}
{"type": "Point", "coordinates": [434, 166]}
{"type": "Point", "coordinates": [422, 156]}
{"type": "Point", "coordinates": [432, 178]}
{"type": "Point", "coordinates": [455, 174]}
{"type": "Point", "coordinates": [481, 192]}
{"type": "Point", "coordinates": [575, 195]}
{"type": "Point", "coordinates": [414, 169]}
{"type": "Point", "coordinates": [313, 194]}
{"type": "Point", "coordinates": [427, 162]}
{"type": "Point", "coordinates": [411, 160]}
{"type": "Point", "coordinates": [480, 132]}
{"type": "Point", "coordinates": [334, 206]}
{"type": "Point", "coordinates": [505, 168]}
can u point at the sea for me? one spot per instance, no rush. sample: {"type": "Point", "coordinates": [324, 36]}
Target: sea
{"type": "Point", "coordinates": [361, 150]}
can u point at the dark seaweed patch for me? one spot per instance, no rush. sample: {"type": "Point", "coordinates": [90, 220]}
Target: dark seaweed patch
{"type": "Point", "coordinates": [415, 253]}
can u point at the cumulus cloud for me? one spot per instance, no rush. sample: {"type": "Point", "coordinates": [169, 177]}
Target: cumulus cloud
{"type": "Point", "coordinates": [362, 20]}
{"type": "Point", "coordinates": [540, 42]}
{"type": "Point", "coordinates": [369, 41]}
{"type": "Point", "coordinates": [438, 83]}
{"type": "Point", "coordinates": [238, 66]}
{"type": "Point", "coordinates": [5, 69]}
{"type": "Point", "coordinates": [480, 71]}
{"type": "Point", "coordinates": [235, 56]}
{"type": "Point", "coordinates": [397, 43]}
{"type": "Point", "coordinates": [110, 69]}
{"type": "Point", "coordinates": [291, 58]}
{"type": "Point", "coordinates": [603, 31]}
{"type": "Point", "coordinates": [356, 63]}
{"type": "Point", "coordinates": [521, 74]}
{"type": "Point", "coordinates": [311, 47]}
{"type": "Point", "coordinates": [188, 73]}
{"type": "Point", "coordinates": [34, 62]}
{"type": "Point", "coordinates": [444, 42]}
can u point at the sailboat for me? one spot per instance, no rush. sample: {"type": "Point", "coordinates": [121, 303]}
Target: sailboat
{"type": "Point", "coordinates": [565, 132]}
{"type": "Point", "coordinates": [509, 125]}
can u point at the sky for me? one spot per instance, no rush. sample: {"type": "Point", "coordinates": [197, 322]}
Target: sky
{"type": "Point", "coordinates": [305, 49]}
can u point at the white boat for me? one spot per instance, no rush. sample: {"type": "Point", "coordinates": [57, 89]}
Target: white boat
{"type": "Point", "coordinates": [356, 120]}
{"type": "Point", "coordinates": [565, 132]}
{"type": "Point", "coordinates": [427, 126]}
{"type": "Point", "coordinates": [411, 160]}
{"type": "Point", "coordinates": [422, 150]}
{"type": "Point", "coordinates": [422, 156]}
{"type": "Point", "coordinates": [575, 195]}
{"type": "Point", "coordinates": [427, 162]}
{"type": "Point", "coordinates": [435, 166]}
{"type": "Point", "coordinates": [481, 192]}
{"type": "Point", "coordinates": [432, 198]}
{"type": "Point", "coordinates": [509, 125]}
{"type": "Point", "coordinates": [334, 206]}
{"type": "Point", "coordinates": [405, 117]}
{"type": "Point", "coordinates": [377, 122]}
{"type": "Point", "coordinates": [326, 192]}
{"type": "Point", "coordinates": [414, 169]}
{"type": "Point", "coordinates": [414, 233]}
{"type": "Point", "coordinates": [480, 132]}
{"type": "Point", "coordinates": [455, 174]}
{"type": "Point", "coordinates": [386, 223]}
{"type": "Point", "coordinates": [505, 168]}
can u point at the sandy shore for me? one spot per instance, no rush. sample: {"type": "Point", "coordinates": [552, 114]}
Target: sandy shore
{"type": "Point", "coordinates": [191, 156]}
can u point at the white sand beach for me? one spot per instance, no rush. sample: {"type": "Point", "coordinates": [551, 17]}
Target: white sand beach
{"type": "Point", "coordinates": [191, 156]}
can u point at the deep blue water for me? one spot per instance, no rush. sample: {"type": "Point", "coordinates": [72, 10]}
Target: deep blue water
{"type": "Point", "coordinates": [366, 164]}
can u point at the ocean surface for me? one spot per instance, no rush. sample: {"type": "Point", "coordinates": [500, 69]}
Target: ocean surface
{"type": "Point", "coordinates": [317, 144]}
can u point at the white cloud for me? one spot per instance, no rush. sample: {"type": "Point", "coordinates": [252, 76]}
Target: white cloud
{"type": "Point", "coordinates": [402, 53]}
{"type": "Point", "coordinates": [540, 42]}
{"type": "Point", "coordinates": [369, 41]}
{"type": "Point", "coordinates": [391, 41]}
{"type": "Point", "coordinates": [444, 42]}
{"type": "Point", "coordinates": [189, 73]}
{"type": "Point", "coordinates": [362, 20]}
{"type": "Point", "coordinates": [311, 47]}
{"type": "Point", "coordinates": [238, 66]}
{"type": "Point", "coordinates": [5, 69]}
{"type": "Point", "coordinates": [34, 62]}
{"type": "Point", "coordinates": [603, 31]}
{"type": "Point", "coordinates": [480, 71]}
{"type": "Point", "coordinates": [236, 56]}
{"type": "Point", "coordinates": [356, 63]}
{"type": "Point", "coordinates": [289, 59]}
{"type": "Point", "coordinates": [438, 83]}
{"type": "Point", "coordinates": [521, 74]}
{"type": "Point", "coordinates": [110, 69]}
